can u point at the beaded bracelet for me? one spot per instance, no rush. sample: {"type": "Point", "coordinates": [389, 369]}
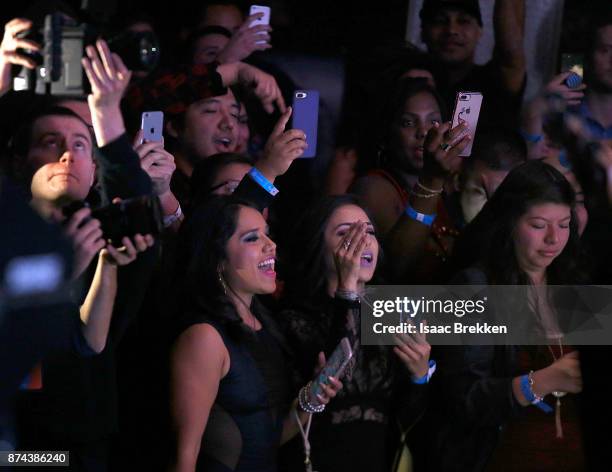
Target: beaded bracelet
{"type": "Point", "coordinates": [304, 402]}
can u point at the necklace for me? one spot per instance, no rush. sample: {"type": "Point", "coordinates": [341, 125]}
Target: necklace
{"type": "Point", "coordinates": [557, 394]}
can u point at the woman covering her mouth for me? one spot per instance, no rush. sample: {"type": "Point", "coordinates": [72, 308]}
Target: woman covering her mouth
{"type": "Point", "coordinates": [335, 252]}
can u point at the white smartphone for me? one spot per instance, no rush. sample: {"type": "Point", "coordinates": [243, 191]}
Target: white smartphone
{"type": "Point", "coordinates": [335, 366]}
{"type": "Point", "coordinates": [467, 108]}
{"type": "Point", "coordinates": [152, 125]}
{"type": "Point", "coordinates": [264, 20]}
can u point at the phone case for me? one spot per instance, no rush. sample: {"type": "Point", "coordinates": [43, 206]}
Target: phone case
{"type": "Point", "coordinates": [264, 20]}
{"type": "Point", "coordinates": [152, 124]}
{"type": "Point", "coordinates": [573, 63]}
{"type": "Point", "coordinates": [335, 366]}
{"type": "Point", "coordinates": [306, 117]}
{"type": "Point", "coordinates": [467, 108]}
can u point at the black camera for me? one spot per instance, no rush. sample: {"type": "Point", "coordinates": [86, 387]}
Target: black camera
{"type": "Point", "coordinates": [63, 40]}
{"type": "Point", "coordinates": [141, 215]}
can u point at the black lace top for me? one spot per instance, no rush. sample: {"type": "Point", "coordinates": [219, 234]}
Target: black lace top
{"type": "Point", "coordinates": [359, 428]}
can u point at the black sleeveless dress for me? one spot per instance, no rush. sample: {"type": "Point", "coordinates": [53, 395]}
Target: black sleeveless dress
{"type": "Point", "coordinates": [245, 423]}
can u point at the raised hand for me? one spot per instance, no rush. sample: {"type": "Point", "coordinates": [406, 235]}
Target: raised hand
{"type": "Point", "coordinates": [11, 42]}
{"type": "Point", "coordinates": [571, 96]}
{"type": "Point", "coordinates": [282, 148]}
{"type": "Point", "coordinates": [109, 79]}
{"type": "Point", "coordinates": [246, 40]}
{"type": "Point", "coordinates": [442, 148]}
{"type": "Point", "coordinates": [264, 86]}
{"type": "Point", "coordinates": [156, 162]}
{"type": "Point", "coordinates": [107, 74]}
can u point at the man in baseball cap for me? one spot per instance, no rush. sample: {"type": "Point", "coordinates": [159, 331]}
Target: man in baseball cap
{"type": "Point", "coordinates": [451, 29]}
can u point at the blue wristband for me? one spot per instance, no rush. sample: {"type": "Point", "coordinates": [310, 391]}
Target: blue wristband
{"type": "Point", "coordinates": [427, 220]}
{"type": "Point", "coordinates": [263, 182]}
{"type": "Point", "coordinates": [427, 376]}
{"type": "Point", "coordinates": [564, 160]}
{"type": "Point", "coordinates": [530, 396]}
{"type": "Point", "coordinates": [531, 138]}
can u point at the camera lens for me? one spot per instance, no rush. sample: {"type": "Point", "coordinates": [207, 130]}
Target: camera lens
{"type": "Point", "coordinates": [138, 50]}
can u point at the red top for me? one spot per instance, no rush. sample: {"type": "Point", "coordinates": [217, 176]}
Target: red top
{"type": "Point", "coordinates": [530, 441]}
{"type": "Point", "coordinates": [440, 243]}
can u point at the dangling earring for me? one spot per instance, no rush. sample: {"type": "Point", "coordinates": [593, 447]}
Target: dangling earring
{"type": "Point", "coordinates": [222, 281]}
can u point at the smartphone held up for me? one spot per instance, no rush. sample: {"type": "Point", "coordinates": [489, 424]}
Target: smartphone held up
{"type": "Point", "coordinates": [467, 110]}
{"type": "Point", "coordinates": [152, 126]}
{"type": "Point", "coordinates": [306, 117]}
{"type": "Point", "coordinates": [264, 20]}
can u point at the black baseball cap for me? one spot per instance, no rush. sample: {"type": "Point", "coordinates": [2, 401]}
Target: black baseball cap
{"type": "Point", "coordinates": [431, 7]}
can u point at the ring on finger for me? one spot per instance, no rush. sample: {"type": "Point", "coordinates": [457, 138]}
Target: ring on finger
{"type": "Point", "coordinates": [346, 245]}
{"type": "Point", "coordinates": [444, 146]}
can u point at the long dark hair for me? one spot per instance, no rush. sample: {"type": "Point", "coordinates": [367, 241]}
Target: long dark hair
{"type": "Point", "coordinates": [488, 239]}
{"type": "Point", "coordinates": [203, 248]}
{"type": "Point", "coordinates": [304, 262]}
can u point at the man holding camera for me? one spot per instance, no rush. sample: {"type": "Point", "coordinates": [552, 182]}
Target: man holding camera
{"type": "Point", "coordinates": [76, 408]}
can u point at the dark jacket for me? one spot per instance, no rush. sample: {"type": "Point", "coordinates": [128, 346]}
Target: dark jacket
{"type": "Point", "coordinates": [78, 398]}
{"type": "Point", "coordinates": [471, 399]}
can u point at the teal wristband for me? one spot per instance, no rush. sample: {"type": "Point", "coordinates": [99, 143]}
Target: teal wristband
{"type": "Point", "coordinates": [531, 138]}
{"type": "Point", "coordinates": [425, 379]}
{"type": "Point", "coordinates": [263, 182]}
{"type": "Point", "coordinates": [427, 220]}
{"type": "Point", "coordinates": [526, 387]}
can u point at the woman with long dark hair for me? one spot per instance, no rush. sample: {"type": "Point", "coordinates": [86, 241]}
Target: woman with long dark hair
{"type": "Point", "coordinates": [335, 252]}
{"type": "Point", "coordinates": [493, 401]}
{"type": "Point", "coordinates": [231, 398]}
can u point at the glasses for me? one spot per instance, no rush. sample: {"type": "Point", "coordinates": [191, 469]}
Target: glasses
{"type": "Point", "coordinates": [225, 188]}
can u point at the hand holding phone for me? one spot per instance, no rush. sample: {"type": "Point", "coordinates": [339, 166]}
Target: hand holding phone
{"type": "Point", "coordinates": [264, 20]}
{"type": "Point", "coordinates": [573, 63]}
{"type": "Point", "coordinates": [152, 126]}
{"type": "Point", "coordinates": [306, 118]}
{"type": "Point", "coordinates": [467, 110]}
{"type": "Point", "coordinates": [335, 367]}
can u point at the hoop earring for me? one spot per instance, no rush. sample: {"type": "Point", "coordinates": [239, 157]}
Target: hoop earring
{"type": "Point", "coordinates": [222, 281]}
{"type": "Point", "coordinates": [381, 156]}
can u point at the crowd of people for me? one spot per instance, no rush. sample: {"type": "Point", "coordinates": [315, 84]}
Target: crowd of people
{"type": "Point", "coordinates": [194, 338]}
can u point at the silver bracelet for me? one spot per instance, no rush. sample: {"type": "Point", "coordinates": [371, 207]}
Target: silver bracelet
{"type": "Point", "coordinates": [347, 295]}
{"type": "Point", "coordinates": [429, 190]}
{"type": "Point", "coordinates": [304, 402]}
